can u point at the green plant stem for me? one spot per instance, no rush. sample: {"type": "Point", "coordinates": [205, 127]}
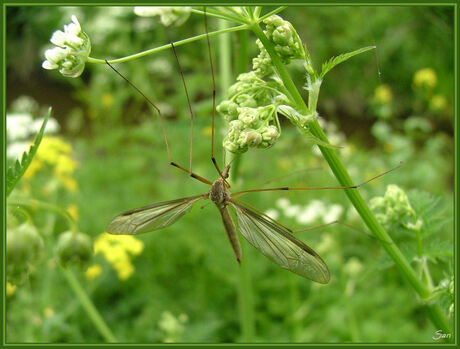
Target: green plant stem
{"type": "Point", "coordinates": [353, 195]}
{"type": "Point", "coordinates": [45, 206]}
{"type": "Point", "coordinates": [88, 305]}
{"type": "Point", "coordinates": [245, 294]}
{"type": "Point", "coordinates": [165, 47]}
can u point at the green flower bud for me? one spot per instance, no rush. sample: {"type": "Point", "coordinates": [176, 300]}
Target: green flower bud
{"type": "Point", "coordinates": [270, 135]}
{"type": "Point", "coordinates": [283, 35]}
{"type": "Point", "coordinates": [248, 116]}
{"type": "Point", "coordinates": [272, 22]}
{"type": "Point", "coordinates": [74, 248]}
{"type": "Point", "coordinates": [246, 100]}
{"type": "Point", "coordinates": [394, 208]}
{"type": "Point", "coordinates": [24, 246]}
{"type": "Point", "coordinates": [249, 138]}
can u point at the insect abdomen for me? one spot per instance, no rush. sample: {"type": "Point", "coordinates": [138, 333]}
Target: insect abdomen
{"type": "Point", "coordinates": [231, 232]}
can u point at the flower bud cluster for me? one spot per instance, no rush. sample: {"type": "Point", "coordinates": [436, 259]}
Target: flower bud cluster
{"type": "Point", "coordinates": [251, 113]}
{"type": "Point", "coordinates": [71, 52]}
{"type": "Point", "coordinates": [251, 129]}
{"type": "Point", "coordinates": [285, 40]}
{"type": "Point", "coordinates": [394, 207]}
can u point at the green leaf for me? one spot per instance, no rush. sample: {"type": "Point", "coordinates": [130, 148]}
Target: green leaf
{"type": "Point", "coordinates": [17, 170]}
{"type": "Point", "coordinates": [331, 63]}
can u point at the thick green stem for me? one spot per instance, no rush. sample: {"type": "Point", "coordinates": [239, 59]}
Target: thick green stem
{"type": "Point", "coordinates": [353, 195]}
{"type": "Point", "coordinates": [167, 46]}
{"type": "Point", "coordinates": [88, 305]}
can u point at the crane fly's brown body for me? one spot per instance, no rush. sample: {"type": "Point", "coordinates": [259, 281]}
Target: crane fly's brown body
{"type": "Point", "coordinates": [220, 196]}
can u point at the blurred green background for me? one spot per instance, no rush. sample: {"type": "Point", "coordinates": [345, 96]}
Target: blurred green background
{"type": "Point", "coordinates": [182, 284]}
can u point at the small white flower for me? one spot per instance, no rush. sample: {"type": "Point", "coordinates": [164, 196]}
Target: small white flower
{"type": "Point", "coordinates": [333, 213]}
{"type": "Point", "coordinates": [168, 14]}
{"type": "Point", "coordinates": [283, 203]}
{"type": "Point", "coordinates": [272, 213]}
{"type": "Point", "coordinates": [292, 211]}
{"type": "Point", "coordinates": [71, 52]}
{"type": "Point", "coordinates": [311, 212]}
{"type": "Point", "coordinates": [16, 149]}
{"type": "Point", "coordinates": [52, 126]}
{"type": "Point", "coordinates": [58, 38]}
{"type": "Point", "coordinates": [18, 126]}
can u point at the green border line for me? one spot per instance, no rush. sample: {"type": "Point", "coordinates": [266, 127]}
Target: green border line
{"type": "Point", "coordinates": [236, 3]}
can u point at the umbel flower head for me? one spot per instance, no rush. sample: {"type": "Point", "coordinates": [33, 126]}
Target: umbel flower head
{"type": "Point", "coordinates": [71, 52]}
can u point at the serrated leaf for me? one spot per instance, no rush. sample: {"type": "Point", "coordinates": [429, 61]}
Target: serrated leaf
{"type": "Point", "coordinates": [331, 63]}
{"type": "Point", "coordinates": [16, 171]}
{"type": "Point", "coordinates": [432, 210]}
{"type": "Point", "coordinates": [439, 249]}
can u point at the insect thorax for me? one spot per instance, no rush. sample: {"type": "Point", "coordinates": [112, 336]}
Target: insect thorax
{"type": "Point", "coordinates": [219, 193]}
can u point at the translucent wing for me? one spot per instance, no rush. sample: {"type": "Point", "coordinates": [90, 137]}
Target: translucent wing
{"type": "Point", "coordinates": [148, 218]}
{"type": "Point", "coordinates": [280, 246]}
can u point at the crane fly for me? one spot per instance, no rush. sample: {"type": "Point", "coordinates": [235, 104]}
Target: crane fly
{"type": "Point", "coordinates": [270, 237]}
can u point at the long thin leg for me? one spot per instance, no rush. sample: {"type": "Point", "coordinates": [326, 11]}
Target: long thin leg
{"type": "Point", "coordinates": [193, 175]}
{"type": "Point", "coordinates": [244, 192]}
{"type": "Point", "coordinates": [213, 159]}
{"type": "Point", "coordinates": [189, 104]}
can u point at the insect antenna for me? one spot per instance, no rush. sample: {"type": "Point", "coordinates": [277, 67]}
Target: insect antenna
{"type": "Point", "coordinates": [213, 126]}
{"type": "Point", "coordinates": [193, 175]}
{"type": "Point", "coordinates": [188, 102]}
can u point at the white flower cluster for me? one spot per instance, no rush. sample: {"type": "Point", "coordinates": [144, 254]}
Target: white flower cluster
{"type": "Point", "coordinates": [71, 52]}
{"type": "Point", "coordinates": [315, 211]}
{"type": "Point", "coordinates": [20, 126]}
{"type": "Point", "coordinates": [176, 15]}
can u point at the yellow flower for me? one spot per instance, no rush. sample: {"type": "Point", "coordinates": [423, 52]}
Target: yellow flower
{"type": "Point", "coordinates": [437, 103]}
{"type": "Point", "coordinates": [124, 269]}
{"type": "Point", "coordinates": [33, 168]}
{"type": "Point", "coordinates": [93, 271]}
{"type": "Point", "coordinates": [69, 183]}
{"type": "Point", "coordinates": [10, 289]}
{"type": "Point", "coordinates": [57, 153]}
{"type": "Point", "coordinates": [117, 250]}
{"type": "Point", "coordinates": [425, 78]}
{"type": "Point", "coordinates": [383, 94]}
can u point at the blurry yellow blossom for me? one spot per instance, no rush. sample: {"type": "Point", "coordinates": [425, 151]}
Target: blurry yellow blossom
{"type": "Point", "coordinates": [107, 100]}
{"type": "Point", "coordinates": [425, 78]}
{"type": "Point", "coordinates": [438, 102]}
{"type": "Point", "coordinates": [57, 153]}
{"type": "Point", "coordinates": [10, 289]}
{"type": "Point", "coordinates": [34, 166]}
{"type": "Point", "coordinates": [383, 94]}
{"type": "Point", "coordinates": [93, 272]}
{"type": "Point", "coordinates": [117, 250]}
{"type": "Point", "coordinates": [49, 312]}
{"type": "Point", "coordinates": [73, 211]}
